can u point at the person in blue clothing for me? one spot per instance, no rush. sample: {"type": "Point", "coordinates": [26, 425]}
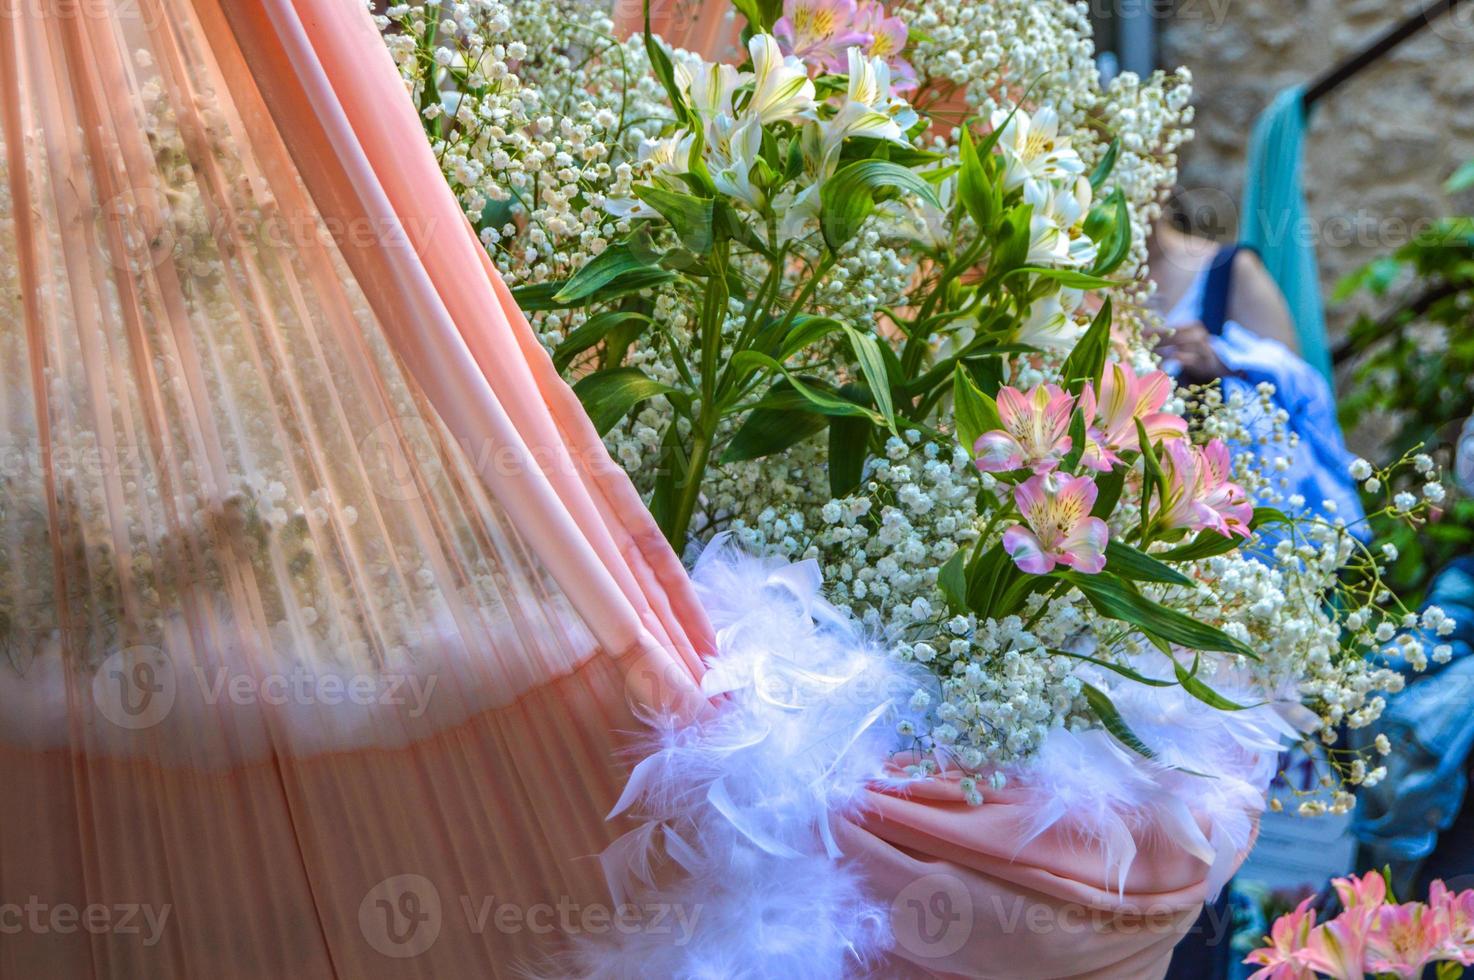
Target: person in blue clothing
{"type": "Point", "coordinates": [1224, 319]}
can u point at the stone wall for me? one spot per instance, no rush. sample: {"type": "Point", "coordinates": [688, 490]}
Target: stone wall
{"type": "Point", "coordinates": [1380, 146]}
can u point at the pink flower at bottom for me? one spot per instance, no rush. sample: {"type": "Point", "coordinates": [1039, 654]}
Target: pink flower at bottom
{"type": "Point", "coordinates": [1060, 529]}
{"type": "Point", "coordinates": [1405, 938]}
{"type": "Point", "coordinates": [1199, 492]}
{"type": "Point", "coordinates": [1338, 947]}
{"type": "Point", "coordinates": [1285, 957]}
{"type": "Point", "coordinates": [1457, 911]}
{"type": "Point", "coordinates": [1361, 891]}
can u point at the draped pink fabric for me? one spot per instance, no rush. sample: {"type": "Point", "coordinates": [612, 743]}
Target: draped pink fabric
{"type": "Point", "coordinates": [325, 618]}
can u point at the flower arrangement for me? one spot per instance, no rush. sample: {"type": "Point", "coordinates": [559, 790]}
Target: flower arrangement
{"type": "Point", "coordinates": [875, 296]}
{"type": "Point", "coordinates": [1373, 935]}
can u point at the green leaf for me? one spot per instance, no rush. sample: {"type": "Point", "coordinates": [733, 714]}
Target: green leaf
{"type": "Point", "coordinates": [1067, 278]}
{"type": "Point", "coordinates": [690, 216]}
{"type": "Point", "coordinates": [1087, 361]}
{"type": "Point", "coordinates": [1462, 179]}
{"type": "Point", "coordinates": [609, 395]}
{"type": "Point", "coordinates": [872, 366]}
{"type": "Point", "coordinates": [847, 198]}
{"type": "Point", "coordinates": [782, 419]}
{"type": "Point", "coordinates": [1110, 718]}
{"type": "Point", "coordinates": [974, 411]}
{"type": "Point", "coordinates": [849, 444]}
{"type": "Point", "coordinates": [1208, 544]}
{"type": "Point", "coordinates": [807, 331]}
{"type": "Point", "coordinates": [1115, 599]}
{"type": "Point", "coordinates": [605, 269]}
{"type": "Point", "coordinates": [1077, 440]}
{"type": "Point", "coordinates": [1124, 671]}
{"type": "Point", "coordinates": [671, 472]}
{"type": "Point", "coordinates": [980, 194]}
{"type": "Point", "coordinates": [1102, 171]}
{"type": "Point", "coordinates": [1109, 226]}
{"type": "Point", "coordinates": [819, 396]}
{"type": "Point", "coordinates": [761, 15]}
{"type": "Point", "coordinates": [1155, 479]}
{"type": "Point", "coordinates": [592, 331]}
{"type": "Point", "coordinates": [952, 580]}
{"type": "Point", "coordinates": [1011, 249]}
{"type": "Point", "coordinates": [1267, 515]}
{"type": "Point", "coordinates": [1194, 686]}
{"type": "Point", "coordinates": [543, 295]}
{"type": "Point", "coordinates": [989, 575]}
{"type": "Point", "coordinates": [1130, 563]}
{"type": "Point", "coordinates": [1108, 492]}
{"type": "Point", "coordinates": [661, 64]}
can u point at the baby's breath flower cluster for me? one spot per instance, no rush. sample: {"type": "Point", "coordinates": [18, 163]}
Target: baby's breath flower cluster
{"type": "Point", "coordinates": [532, 109]}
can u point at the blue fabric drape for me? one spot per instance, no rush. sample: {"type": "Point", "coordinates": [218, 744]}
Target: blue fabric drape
{"type": "Point", "coordinates": [1276, 221]}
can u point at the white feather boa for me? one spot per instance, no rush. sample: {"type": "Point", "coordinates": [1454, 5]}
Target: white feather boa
{"type": "Point", "coordinates": [738, 809]}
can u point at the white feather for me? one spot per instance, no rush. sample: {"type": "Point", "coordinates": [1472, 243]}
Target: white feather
{"type": "Point", "coordinates": [737, 809]}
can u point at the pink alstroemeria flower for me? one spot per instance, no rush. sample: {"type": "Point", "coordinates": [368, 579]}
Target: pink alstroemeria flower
{"type": "Point", "coordinates": [1361, 891]}
{"type": "Point", "coordinates": [888, 37]}
{"type": "Point", "coordinates": [1199, 492]}
{"type": "Point", "coordinates": [1061, 530]}
{"type": "Point", "coordinates": [1285, 957]}
{"type": "Point", "coordinates": [1338, 947]}
{"type": "Point", "coordinates": [820, 32]}
{"type": "Point", "coordinates": [1457, 911]}
{"type": "Point", "coordinates": [1405, 938]}
{"type": "Point", "coordinates": [1035, 433]}
{"type": "Point", "coordinates": [1123, 398]}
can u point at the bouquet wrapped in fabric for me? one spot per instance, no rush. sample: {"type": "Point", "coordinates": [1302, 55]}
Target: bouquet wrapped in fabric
{"type": "Point", "coordinates": [1007, 618]}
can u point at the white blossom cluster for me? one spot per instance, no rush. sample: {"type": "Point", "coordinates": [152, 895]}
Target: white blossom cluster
{"type": "Point", "coordinates": [533, 109]}
{"type": "Point", "coordinates": [990, 55]}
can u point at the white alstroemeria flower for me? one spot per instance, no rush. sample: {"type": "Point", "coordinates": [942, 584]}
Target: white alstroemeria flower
{"type": "Point", "coordinates": [1055, 236]}
{"type": "Point", "coordinates": [1051, 324]}
{"type": "Point", "coordinates": [782, 91]}
{"type": "Point", "coordinates": [1033, 149]}
{"type": "Point", "coordinates": [797, 210]}
{"type": "Point", "coordinates": [869, 108]}
{"type": "Point", "coordinates": [709, 88]}
{"type": "Point", "coordinates": [732, 149]}
{"type": "Point", "coordinates": [668, 158]}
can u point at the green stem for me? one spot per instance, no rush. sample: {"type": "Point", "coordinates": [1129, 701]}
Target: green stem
{"type": "Point", "coordinates": [690, 491]}
{"type": "Point", "coordinates": [704, 425]}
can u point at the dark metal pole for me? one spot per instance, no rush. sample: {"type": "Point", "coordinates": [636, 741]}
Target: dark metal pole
{"type": "Point", "coordinates": [1373, 52]}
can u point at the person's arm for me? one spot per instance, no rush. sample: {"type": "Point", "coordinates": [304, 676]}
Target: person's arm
{"type": "Point", "coordinates": [1257, 303]}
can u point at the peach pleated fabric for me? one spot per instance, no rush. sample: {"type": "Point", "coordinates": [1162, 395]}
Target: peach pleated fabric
{"type": "Point", "coordinates": [324, 617]}
{"type": "Point", "coordinates": [323, 613]}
